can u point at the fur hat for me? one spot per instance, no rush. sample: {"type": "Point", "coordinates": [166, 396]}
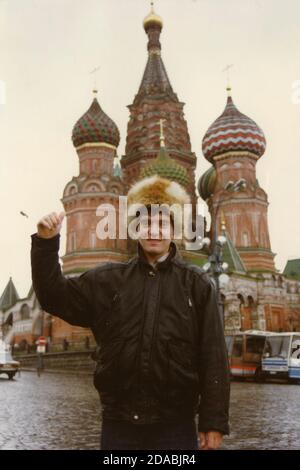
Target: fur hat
{"type": "Point", "coordinates": [157, 190]}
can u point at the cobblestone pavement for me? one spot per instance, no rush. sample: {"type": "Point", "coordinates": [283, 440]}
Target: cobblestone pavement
{"type": "Point", "coordinates": [54, 411]}
{"type": "Point", "coordinates": [59, 411]}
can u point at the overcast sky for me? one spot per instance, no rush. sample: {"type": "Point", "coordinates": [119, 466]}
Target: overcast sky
{"type": "Point", "coordinates": [47, 51]}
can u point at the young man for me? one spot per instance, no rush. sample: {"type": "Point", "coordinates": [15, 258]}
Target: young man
{"type": "Point", "coordinates": [162, 357]}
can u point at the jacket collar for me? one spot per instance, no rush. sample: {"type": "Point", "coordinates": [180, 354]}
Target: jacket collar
{"type": "Point", "coordinates": [173, 253]}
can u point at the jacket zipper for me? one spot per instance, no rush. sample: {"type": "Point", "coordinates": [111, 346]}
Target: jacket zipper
{"type": "Point", "coordinates": [156, 318]}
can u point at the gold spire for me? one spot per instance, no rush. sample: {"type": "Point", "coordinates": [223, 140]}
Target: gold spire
{"type": "Point", "coordinates": [226, 69]}
{"type": "Point", "coordinates": [94, 72]}
{"type": "Point", "coordinates": [152, 18]}
{"type": "Point", "coordinates": [164, 166]}
{"type": "Point", "coordinates": [162, 137]}
{"type": "Point", "coordinates": [228, 88]}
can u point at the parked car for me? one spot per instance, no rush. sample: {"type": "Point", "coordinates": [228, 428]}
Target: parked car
{"type": "Point", "coordinates": [7, 364]}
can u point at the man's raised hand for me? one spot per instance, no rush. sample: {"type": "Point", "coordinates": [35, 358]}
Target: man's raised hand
{"type": "Point", "coordinates": [50, 225]}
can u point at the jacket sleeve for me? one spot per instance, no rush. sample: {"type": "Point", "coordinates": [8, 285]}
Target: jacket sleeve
{"type": "Point", "coordinates": [67, 298]}
{"type": "Point", "coordinates": [213, 412]}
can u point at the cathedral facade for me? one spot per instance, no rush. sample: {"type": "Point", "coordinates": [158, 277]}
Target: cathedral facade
{"type": "Point", "coordinates": [256, 296]}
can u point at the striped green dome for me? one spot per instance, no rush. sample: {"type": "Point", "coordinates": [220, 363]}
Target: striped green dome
{"type": "Point", "coordinates": [165, 167]}
{"type": "Point", "coordinates": [95, 126]}
{"type": "Point", "coordinates": [207, 183]}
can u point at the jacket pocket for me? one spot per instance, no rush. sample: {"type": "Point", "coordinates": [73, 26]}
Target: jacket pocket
{"type": "Point", "coordinates": [106, 375]}
{"type": "Point", "coordinates": [182, 376]}
{"type": "Point", "coordinates": [108, 323]}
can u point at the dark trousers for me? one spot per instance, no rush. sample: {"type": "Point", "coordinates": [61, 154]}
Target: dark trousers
{"type": "Point", "coordinates": [121, 435]}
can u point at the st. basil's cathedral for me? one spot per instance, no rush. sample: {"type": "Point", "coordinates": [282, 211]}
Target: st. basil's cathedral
{"type": "Point", "coordinates": [256, 296]}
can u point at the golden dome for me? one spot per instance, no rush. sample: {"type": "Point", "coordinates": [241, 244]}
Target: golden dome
{"type": "Point", "coordinates": [152, 18]}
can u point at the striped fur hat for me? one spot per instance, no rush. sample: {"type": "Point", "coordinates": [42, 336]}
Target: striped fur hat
{"type": "Point", "coordinates": [156, 190]}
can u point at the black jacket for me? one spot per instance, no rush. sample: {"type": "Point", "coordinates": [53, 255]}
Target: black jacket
{"type": "Point", "coordinates": [162, 354]}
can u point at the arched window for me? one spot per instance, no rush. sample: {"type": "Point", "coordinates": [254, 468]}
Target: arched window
{"type": "Point", "coordinates": [10, 319]}
{"type": "Point", "coordinates": [25, 312]}
{"type": "Point", "coordinates": [114, 190]}
{"type": "Point", "coordinates": [72, 190]}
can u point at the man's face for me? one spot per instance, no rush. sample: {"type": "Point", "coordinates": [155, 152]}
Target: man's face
{"type": "Point", "coordinates": [156, 233]}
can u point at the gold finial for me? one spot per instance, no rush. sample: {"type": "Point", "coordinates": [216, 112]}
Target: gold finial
{"type": "Point", "coordinates": [226, 69]}
{"type": "Point", "coordinates": [223, 223]}
{"type": "Point", "coordinates": [162, 137]}
{"type": "Point", "coordinates": [152, 17]}
{"type": "Point", "coordinates": [94, 72]}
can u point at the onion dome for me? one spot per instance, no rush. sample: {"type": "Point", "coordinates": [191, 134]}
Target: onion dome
{"type": "Point", "coordinates": [95, 127]}
{"type": "Point", "coordinates": [207, 183]}
{"type": "Point", "coordinates": [233, 131]}
{"type": "Point", "coordinates": [152, 19]}
{"type": "Point", "coordinates": [165, 166]}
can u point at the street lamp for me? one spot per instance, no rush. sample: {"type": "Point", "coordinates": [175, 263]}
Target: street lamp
{"type": "Point", "coordinates": [216, 267]}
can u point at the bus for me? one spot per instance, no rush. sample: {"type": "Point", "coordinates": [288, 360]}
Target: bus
{"type": "Point", "coordinates": [281, 357]}
{"type": "Point", "coordinates": [245, 351]}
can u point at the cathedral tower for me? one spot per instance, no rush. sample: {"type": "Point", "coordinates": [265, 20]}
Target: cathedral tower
{"type": "Point", "coordinates": [156, 100]}
{"type": "Point", "coordinates": [233, 144]}
{"type": "Point", "coordinates": [96, 138]}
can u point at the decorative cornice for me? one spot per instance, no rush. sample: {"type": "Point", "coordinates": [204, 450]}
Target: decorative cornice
{"type": "Point", "coordinates": [232, 153]}
{"type": "Point", "coordinates": [89, 195]}
{"type": "Point", "coordinates": [96, 144]}
{"type": "Point", "coordinates": [140, 154]}
{"type": "Point", "coordinates": [154, 51]}
{"type": "Point", "coordinates": [239, 200]}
